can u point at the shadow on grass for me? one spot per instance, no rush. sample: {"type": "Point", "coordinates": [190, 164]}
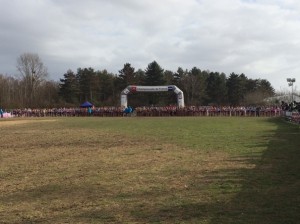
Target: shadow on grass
{"type": "Point", "coordinates": [268, 193]}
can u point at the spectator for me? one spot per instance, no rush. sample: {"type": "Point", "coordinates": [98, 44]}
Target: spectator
{"type": "Point", "coordinates": [258, 111]}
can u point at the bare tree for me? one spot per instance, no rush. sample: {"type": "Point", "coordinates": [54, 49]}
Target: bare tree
{"type": "Point", "coordinates": [33, 73]}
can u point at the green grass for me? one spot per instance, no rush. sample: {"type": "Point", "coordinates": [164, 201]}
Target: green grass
{"type": "Point", "coordinates": [149, 170]}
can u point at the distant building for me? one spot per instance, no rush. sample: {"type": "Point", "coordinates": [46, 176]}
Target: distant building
{"type": "Point", "coordinates": [286, 98]}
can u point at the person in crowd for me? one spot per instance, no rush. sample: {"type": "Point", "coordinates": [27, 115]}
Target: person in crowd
{"type": "Point", "coordinates": [258, 111]}
{"type": "Point", "coordinates": [90, 111]}
{"type": "Point", "coordinates": [128, 110]}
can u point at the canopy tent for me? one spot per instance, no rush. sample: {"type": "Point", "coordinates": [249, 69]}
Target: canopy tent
{"type": "Point", "coordinates": [86, 104]}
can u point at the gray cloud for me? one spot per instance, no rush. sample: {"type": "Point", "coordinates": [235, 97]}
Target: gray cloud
{"type": "Point", "coordinates": [258, 38]}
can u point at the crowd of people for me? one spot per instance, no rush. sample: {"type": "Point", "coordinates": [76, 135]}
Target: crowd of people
{"type": "Point", "coordinates": [293, 106]}
{"type": "Point", "coordinates": [150, 111]}
{"type": "Point", "coordinates": [291, 111]}
{"type": "Point", "coordinates": [208, 111]}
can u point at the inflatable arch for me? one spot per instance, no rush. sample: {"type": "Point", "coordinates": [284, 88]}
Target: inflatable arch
{"type": "Point", "coordinates": [133, 89]}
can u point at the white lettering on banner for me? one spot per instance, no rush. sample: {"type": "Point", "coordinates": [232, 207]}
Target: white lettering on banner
{"type": "Point", "coordinates": [151, 89]}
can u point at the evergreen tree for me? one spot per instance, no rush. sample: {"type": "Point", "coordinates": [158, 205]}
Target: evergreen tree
{"type": "Point", "coordinates": [216, 89]}
{"type": "Point", "coordinates": [194, 86]}
{"type": "Point", "coordinates": [138, 99]}
{"type": "Point", "coordinates": [106, 88]}
{"type": "Point", "coordinates": [127, 76]}
{"type": "Point", "coordinates": [88, 84]}
{"type": "Point", "coordinates": [154, 75]}
{"type": "Point", "coordinates": [266, 87]}
{"type": "Point", "coordinates": [235, 89]}
{"type": "Point", "coordinates": [69, 88]}
{"type": "Point", "coordinates": [179, 76]}
{"type": "Point", "coordinates": [169, 77]}
{"type": "Point", "coordinates": [140, 77]}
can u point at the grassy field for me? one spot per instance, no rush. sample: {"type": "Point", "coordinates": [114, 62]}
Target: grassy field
{"type": "Point", "coordinates": [149, 170]}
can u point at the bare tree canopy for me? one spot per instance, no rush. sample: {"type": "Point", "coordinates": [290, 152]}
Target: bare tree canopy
{"type": "Point", "coordinates": [30, 65]}
{"type": "Point", "coordinates": [32, 72]}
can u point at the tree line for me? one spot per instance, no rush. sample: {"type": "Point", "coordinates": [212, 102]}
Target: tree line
{"type": "Point", "coordinates": [201, 87]}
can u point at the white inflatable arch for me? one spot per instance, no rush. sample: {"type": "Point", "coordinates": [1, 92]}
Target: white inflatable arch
{"type": "Point", "coordinates": [133, 89]}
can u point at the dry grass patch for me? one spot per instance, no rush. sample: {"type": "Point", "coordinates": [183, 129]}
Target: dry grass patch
{"type": "Point", "coordinates": [65, 172]}
{"type": "Point", "coordinates": [78, 174]}
{"type": "Point", "coordinates": [10, 122]}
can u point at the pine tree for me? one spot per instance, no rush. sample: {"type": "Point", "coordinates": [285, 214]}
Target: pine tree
{"type": "Point", "coordinates": [69, 88]}
{"type": "Point", "coordinates": [154, 75]}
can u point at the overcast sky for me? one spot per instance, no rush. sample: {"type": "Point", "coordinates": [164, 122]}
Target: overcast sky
{"type": "Point", "coordinates": [260, 38]}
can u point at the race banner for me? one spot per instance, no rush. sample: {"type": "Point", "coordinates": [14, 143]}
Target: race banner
{"type": "Point", "coordinates": [133, 89]}
{"type": "Point", "coordinates": [151, 88]}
